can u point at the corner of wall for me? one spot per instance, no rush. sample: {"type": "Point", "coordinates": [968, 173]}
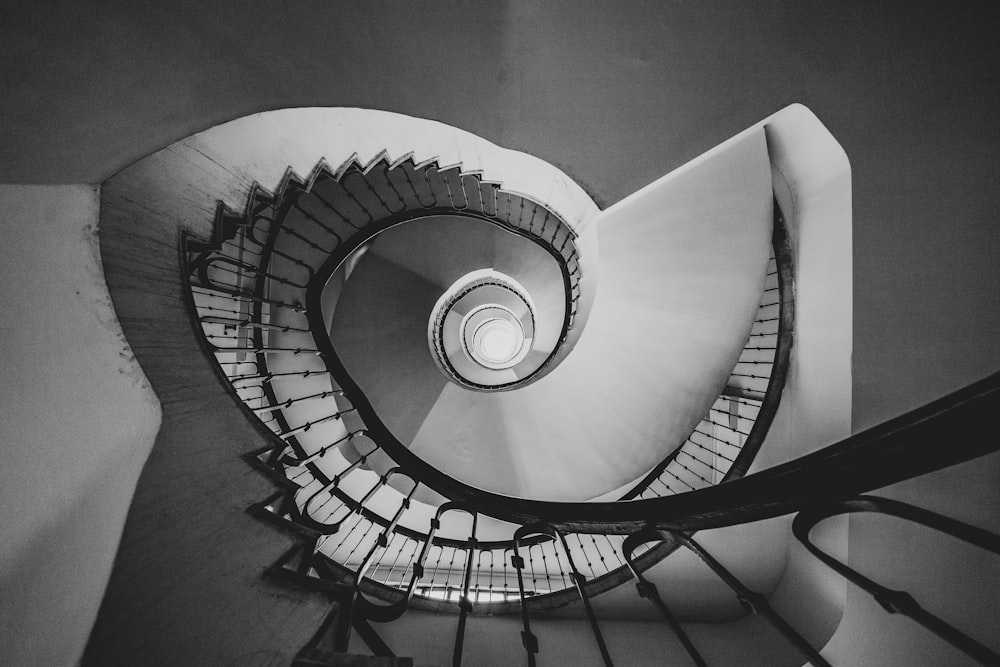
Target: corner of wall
{"type": "Point", "coordinates": [80, 421]}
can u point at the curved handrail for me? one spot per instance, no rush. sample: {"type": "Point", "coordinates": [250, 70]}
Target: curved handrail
{"type": "Point", "coordinates": [894, 601]}
{"type": "Point", "coordinates": [686, 512]}
{"type": "Point", "coordinates": [783, 495]}
{"type": "Point", "coordinates": [896, 450]}
{"type": "Point", "coordinates": [314, 292]}
{"type": "Point", "coordinates": [529, 640]}
{"type": "Point", "coordinates": [510, 509]}
{"type": "Point", "coordinates": [648, 590]}
{"type": "Point", "coordinates": [370, 609]}
{"type": "Point", "coordinates": [264, 219]}
{"type": "Point", "coordinates": [750, 600]}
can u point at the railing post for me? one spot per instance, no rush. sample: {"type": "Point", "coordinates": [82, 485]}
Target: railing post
{"type": "Point", "coordinates": [894, 601]}
{"type": "Point", "coordinates": [752, 601]}
{"type": "Point", "coordinates": [529, 640]}
{"type": "Point", "coordinates": [648, 590]}
{"type": "Point", "coordinates": [464, 603]}
{"type": "Point", "coordinates": [580, 581]}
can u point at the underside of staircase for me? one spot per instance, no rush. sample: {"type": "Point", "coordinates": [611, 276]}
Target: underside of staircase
{"type": "Point", "coordinates": [334, 491]}
{"type": "Point", "coordinates": [320, 430]}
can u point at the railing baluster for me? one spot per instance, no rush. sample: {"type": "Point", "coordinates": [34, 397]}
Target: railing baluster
{"type": "Point", "coordinates": [335, 481]}
{"type": "Point", "coordinates": [383, 539]}
{"type": "Point", "coordinates": [399, 552]}
{"type": "Point", "coordinates": [292, 401]}
{"type": "Point", "coordinates": [237, 295]}
{"type": "Point", "coordinates": [437, 566]}
{"type": "Point", "coordinates": [464, 603]}
{"type": "Point", "coordinates": [751, 601]}
{"type": "Point", "coordinates": [894, 601]}
{"type": "Point", "coordinates": [529, 640]}
{"type": "Point", "coordinates": [506, 584]}
{"type": "Point", "coordinates": [580, 581]}
{"type": "Point", "coordinates": [648, 590]}
{"type": "Point", "coordinates": [309, 424]}
{"type": "Point", "coordinates": [291, 461]}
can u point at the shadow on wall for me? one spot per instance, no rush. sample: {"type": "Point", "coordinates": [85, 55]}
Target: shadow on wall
{"type": "Point", "coordinates": [79, 422]}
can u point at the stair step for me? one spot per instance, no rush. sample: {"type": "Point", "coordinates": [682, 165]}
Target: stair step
{"type": "Point", "coordinates": [416, 179]}
{"type": "Point", "coordinates": [472, 192]}
{"type": "Point", "coordinates": [456, 192]}
{"type": "Point", "coordinates": [356, 184]}
{"type": "Point", "coordinates": [340, 202]}
{"type": "Point", "coordinates": [401, 182]}
{"type": "Point", "coordinates": [378, 178]}
{"type": "Point", "coordinates": [439, 185]}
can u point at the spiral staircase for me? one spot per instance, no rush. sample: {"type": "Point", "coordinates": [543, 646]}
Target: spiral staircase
{"type": "Point", "coordinates": [465, 406]}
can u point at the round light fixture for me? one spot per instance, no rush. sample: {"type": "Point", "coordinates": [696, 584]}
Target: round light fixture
{"type": "Point", "coordinates": [481, 331]}
{"type": "Point", "coordinates": [493, 336]}
{"type": "Point", "coordinates": [497, 341]}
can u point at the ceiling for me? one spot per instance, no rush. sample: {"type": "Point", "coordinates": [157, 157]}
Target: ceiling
{"type": "Point", "coordinates": [617, 94]}
{"type": "Point", "coordinates": [679, 277]}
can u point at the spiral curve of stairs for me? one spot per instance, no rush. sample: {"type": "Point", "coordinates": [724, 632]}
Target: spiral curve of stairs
{"type": "Point", "coordinates": [347, 263]}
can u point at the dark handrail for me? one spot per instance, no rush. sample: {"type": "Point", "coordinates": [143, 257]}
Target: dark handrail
{"type": "Point", "coordinates": [464, 603]}
{"type": "Point", "coordinates": [896, 450]}
{"type": "Point", "coordinates": [264, 219]}
{"type": "Point", "coordinates": [894, 601]}
{"type": "Point", "coordinates": [853, 465]}
{"type": "Point", "coordinates": [878, 457]}
{"type": "Point", "coordinates": [529, 640]}
{"type": "Point", "coordinates": [370, 610]}
{"type": "Point", "coordinates": [648, 590]}
{"type": "Point", "coordinates": [752, 601]}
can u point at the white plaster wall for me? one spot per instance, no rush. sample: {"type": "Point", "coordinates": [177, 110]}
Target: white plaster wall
{"type": "Point", "coordinates": [953, 580]}
{"type": "Point", "coordinates": [496, 641]}
{"type": "Point", "coordinates": [672, 80]}
{"type": "Point", "coordinates": [812, 182]}
{"type": "Point", "coordinates": [77, 422]}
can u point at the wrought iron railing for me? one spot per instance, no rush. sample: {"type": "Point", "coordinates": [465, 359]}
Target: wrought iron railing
{"type": "Point", "coordinates": [896, 601]}
{"type": "Point", "coordinates": [256, 293]}
{"type": "Point", "coordinates": [815, 487]}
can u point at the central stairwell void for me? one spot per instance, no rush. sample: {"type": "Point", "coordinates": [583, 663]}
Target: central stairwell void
{"type": "Point", "coordinates": [479, 394]}
{"type": "Point", "coordinates": [381, 315]}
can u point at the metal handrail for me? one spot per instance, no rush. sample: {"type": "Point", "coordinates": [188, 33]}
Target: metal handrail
{"type": "Point", "coordinates": [895, 601]}
{"type": "Point", "coordinates": [777, 491]}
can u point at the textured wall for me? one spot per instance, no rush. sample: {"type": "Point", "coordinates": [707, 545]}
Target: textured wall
{"type": "Point", "coordinates": [616, 93]}
{"type": "Point", "coordinates": [78, 420]}
{"type": "Point", "coordinates": [187, 585]}
{"type": "Point", "coordinates": [616, 96]}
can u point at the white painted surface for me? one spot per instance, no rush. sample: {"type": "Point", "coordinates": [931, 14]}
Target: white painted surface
{"type": "Point", "coordinates": [812, 182]}
{"type": "Point", "coordinates": [675, 80]}
{"type": "Point", "coordinates": [811, 176]}
{"type": "Point", "coordinates": [77, 423]}
{"type": "Point", "coordinates": [496, 641]}
{"type": "Point", "coordinates": [682, 267]}
{"type": "Point", "coordinates": [189, 177]}
{"type": "Point", "coordinates": [955, 581]}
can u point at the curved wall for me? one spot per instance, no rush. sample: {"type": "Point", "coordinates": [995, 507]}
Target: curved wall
{"type": "Point", "coordinates": [622, 93]}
